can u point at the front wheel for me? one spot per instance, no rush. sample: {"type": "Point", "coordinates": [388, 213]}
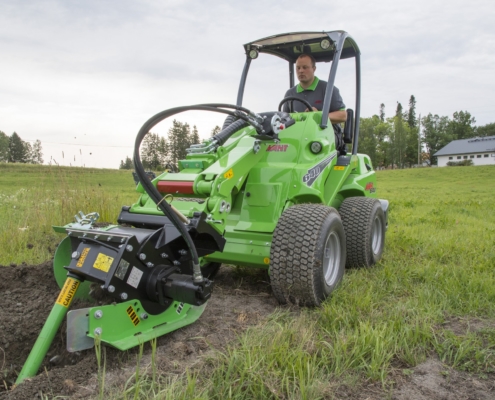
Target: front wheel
{"type": "Point", "coordinates": [308, 253]}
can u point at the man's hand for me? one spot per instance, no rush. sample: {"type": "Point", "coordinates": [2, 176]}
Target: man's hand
{"type": "Point", "coordinates": [314, 109]}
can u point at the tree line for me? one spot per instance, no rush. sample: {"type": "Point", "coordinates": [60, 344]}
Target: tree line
{"type": "Point", "coordinates": [15, 150]}
{"type": "Point", "coordinates": [400, 141]}
{"type": "Point", "coordinates": [404, 140]}
{"type": "Point", "coordinates": [159, 153]}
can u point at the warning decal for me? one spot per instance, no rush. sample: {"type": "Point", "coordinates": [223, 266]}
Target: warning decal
{"type": "Point", "coordinates": [67, 293]}
{"type": "Point", "coordinates": [103, 262]}
{"type": "Point", "coordinates": [133, 316]}
{"type": "Point", "coordinates": [81, 260]}
{"type": "Point", "coordinates": [229, 174]}
{"type": "Point", "coordinates": [134, 277]}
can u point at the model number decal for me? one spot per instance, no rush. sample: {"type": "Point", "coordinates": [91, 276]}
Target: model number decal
{"type": "Point", "coordinates": [315, 172]}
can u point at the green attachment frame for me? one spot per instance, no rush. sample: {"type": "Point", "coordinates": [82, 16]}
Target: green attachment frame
{"type": "Point", "coordinates": [63, 257]}
{"type": "Point", "coordinates": [49, 330]}
{"type": "Point", "coordinates": [126, 325]}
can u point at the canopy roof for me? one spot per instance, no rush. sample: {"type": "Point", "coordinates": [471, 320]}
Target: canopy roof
{"type": "Point", "coordinates": [289, 46]}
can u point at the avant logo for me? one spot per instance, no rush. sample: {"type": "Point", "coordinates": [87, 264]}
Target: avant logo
{"type": "Point", "coordinates": [370, 187]}
{"type": "Point", "coordinates": [315, 172]}
{"type": "Point", "coordinates": [277, 147]}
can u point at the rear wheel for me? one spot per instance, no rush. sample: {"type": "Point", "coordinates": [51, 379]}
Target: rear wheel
{"type": "Point", "coordinates": [307, 257]}
{"type": "Point", "coordinates": [364, 225]}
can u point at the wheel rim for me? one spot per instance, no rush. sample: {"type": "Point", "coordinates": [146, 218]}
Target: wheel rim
{"type": "Point", "coordinates": [331, 260]}
{"type": "Point", "coordinates": [376, 235]}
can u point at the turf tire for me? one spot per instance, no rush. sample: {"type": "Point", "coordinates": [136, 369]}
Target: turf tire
{"type": "Point", "coordinates": [364, 225]}
{"type": "Point", "coordinates": [307, 256]}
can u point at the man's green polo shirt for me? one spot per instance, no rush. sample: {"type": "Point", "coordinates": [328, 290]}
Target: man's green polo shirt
{"type": "Point", "coordinates": [314, 94]}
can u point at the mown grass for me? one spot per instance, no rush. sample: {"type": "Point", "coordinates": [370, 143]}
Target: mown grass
{"type": "Point", "coordinates": [439, 264]}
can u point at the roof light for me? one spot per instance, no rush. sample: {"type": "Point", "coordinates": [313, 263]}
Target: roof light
{"type": "Point", "coordinates": [253, 53]}
{"type": "Point", "coordinates": [325, 44]}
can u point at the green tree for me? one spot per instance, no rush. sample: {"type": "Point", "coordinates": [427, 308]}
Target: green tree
{"type": "Point", "coordinates": [178, 141]}
{"type": "Point", "coordinates": [4, 147]}
{"type": "Point", "coordinates": [382, 112]}
{"type": "Point", "coordinates": [154, 152]}
{"type": "Point", "coordinates": [368, 141]}
{"type": "Point", "coordinates": [436, 134]}
{"type": "Point", "coordinates": [383, 131]}
{"type": "Point", "coordinates": [36, 154]}
{"type": "Point", "coordinates": [127, 164]}
{"type": "Point", "coordinates": [215, 131]}
{"type": "Point", "coordinates": [397, 145]}
{"type": "Point", "coordinates": [410, 145]}
{"type": "Point", "coordinates": [486, 130]}
{"type": "Point", "coordinates": [194, 139]}
{"type": "Point", "coordinates": [411, 114]}
{"type": "Point", "coordinates": [461, 125]}
{"type": "Point", "coordinates": [18, 151]}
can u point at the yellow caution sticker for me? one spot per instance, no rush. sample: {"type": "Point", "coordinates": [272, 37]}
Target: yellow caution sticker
{"type": "Point", "coordinates": [266, 260]}
{"type": "Point", "coordinates": [103, 262]}
{"type": "Point", "coordinates": [229, 174]}
{"type": "Point", "coordinates": [339, 168]}
{"type": "Point", "coordinates": [133, 316]}
{"type": "Point", "coordinates": [81, 260]}
{"type": "Point", "coordinates": [67, 293]}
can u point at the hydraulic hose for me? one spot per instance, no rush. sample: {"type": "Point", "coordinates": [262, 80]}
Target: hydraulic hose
{"type": "Point", "coordinates": [227, 132]}
{"type": "Point", "coordinates": [245, 116]}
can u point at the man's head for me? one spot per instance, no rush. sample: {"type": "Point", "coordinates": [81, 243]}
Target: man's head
{"type": "Point", "coordinates": [305, 70]}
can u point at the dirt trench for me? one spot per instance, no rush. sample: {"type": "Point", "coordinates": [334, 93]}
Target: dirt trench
{"type": "Point", "coordinates": [27, 294]}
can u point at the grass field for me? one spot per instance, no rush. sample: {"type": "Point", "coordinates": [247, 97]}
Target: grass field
{"type": "Point", "coordinates": [35, 197]}
{"type": "Point", "coordinates": [438, 265]}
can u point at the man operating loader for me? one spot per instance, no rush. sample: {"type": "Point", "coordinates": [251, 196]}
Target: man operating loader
{"type": "Point", "coordinates": [312, 89]}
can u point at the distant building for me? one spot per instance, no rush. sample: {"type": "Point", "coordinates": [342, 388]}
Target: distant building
{"type": "Point", "coordinates": [481, 151]}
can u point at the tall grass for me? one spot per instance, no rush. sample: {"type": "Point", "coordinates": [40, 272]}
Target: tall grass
{"type": "Point", "coordinates": [34, 197]}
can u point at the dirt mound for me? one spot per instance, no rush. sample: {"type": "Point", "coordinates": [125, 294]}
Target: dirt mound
{"type": "Point", "coordinates": [28, 294]}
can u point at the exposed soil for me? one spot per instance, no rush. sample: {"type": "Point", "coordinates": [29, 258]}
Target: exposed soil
{"type": "Point", "coordinates": [27, 294]}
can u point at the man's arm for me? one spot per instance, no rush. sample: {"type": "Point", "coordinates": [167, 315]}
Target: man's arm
{"type": "Point", "coordinates": [336, 117]}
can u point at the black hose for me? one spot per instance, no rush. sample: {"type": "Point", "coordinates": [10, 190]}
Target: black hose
{"type": "Point", "coordinates": [228, 121]}
{"type": "Point", "coordinates": [151, 189]}
{"type": "Point", "coordinates": [222, 136]}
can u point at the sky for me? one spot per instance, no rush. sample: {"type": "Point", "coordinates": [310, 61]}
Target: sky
{"type": "Point", "coordinates": [84, 76]}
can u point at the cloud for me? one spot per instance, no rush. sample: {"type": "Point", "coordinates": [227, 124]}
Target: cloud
{"type": "Point", "coordinates": [102, 68]}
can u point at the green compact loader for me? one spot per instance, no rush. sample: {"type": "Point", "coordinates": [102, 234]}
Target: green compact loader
{"type": "Point", "coordinates": [274, 190]}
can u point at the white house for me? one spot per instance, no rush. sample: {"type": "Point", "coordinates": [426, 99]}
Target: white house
{"type": "Point", "coordinates": [480, 150]}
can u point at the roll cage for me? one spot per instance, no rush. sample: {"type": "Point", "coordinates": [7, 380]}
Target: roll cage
{"type": "Point", "coordinates": [324, 47]}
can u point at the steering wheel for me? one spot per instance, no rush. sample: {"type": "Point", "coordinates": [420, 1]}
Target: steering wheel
{"type": "Point", "coordinates": [292, 98]}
